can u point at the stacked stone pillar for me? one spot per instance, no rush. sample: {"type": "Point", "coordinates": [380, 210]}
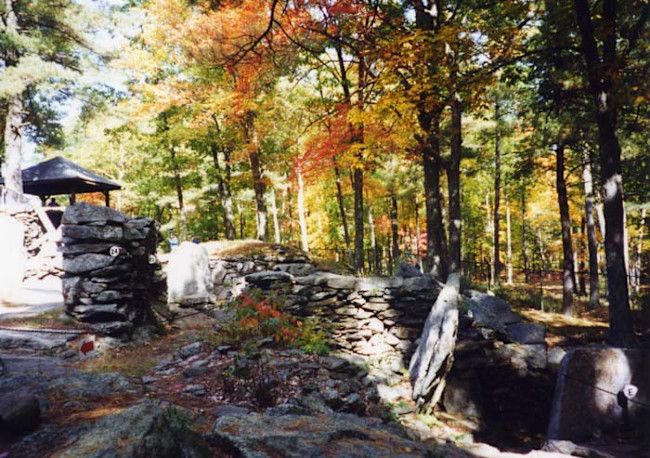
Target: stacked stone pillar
{"type": "Point", "coordinates": [112, 280]}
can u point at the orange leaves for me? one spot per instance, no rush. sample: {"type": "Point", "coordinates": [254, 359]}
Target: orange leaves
{"type": "Point", "coordinates": [262, 318]}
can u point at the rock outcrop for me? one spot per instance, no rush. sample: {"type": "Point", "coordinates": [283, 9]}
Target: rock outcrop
{"type": "Point", "coordinates": [298, 436]}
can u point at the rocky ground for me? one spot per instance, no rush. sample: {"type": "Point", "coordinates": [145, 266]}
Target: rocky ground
{"type": "Point", "coordinates": [188, 393]}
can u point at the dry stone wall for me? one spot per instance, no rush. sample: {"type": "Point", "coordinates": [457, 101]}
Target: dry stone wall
{"type": "Point", "coordinates": [371, 317]}
{"type": "Point", "coordinates": [112, 279]}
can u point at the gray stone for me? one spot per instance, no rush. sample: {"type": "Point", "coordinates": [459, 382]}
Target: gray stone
{"type": "Point", "coordinates": [375, 325]}
{"type": "Point", "coordinates": [188, 274]}
{"type": "Point", "coordinates": [589, 396]}
{"type": "Point", "coordinates": [226, 410]}
{"type": "Point", "coordinates": [105, 233]}
{"type": "Point", "coordinates": [139, 431]}
{"type": "Point", "coordinates": [81, 248]}
{"type": "Point", "coordinates": [533, 356]}
{"type": "Point", "coordinates": [102, 312]}
{"type": "Point", "coordinates": [196, 390]}
{"type": "Point", "coordinates": [111, 296]}
{"type": "Point", "coordinates": [268, 276]}
{"type": "Point", "coordinates": [112, 328]}
{"type": "Point", "coordinates": [555, 356]}
{"type": "Point", "coordinates": [296, 269]}
{"type": "Point", "coordinates": [463, 397]}
{"type": "Point", "coordinates": [490, 311]}
{"type": "Point", "coordinates": [295, 436]}
{"type": "Point", "coordinates": [83, 212]}
{"type": "Point", "coordinates": [195, 370]}
{"type": "Point", "coordinates": [20, 412]}
{"type": "Point", "coordinates": [374, 306]}
{"type": "Point", "coordinates": [86, 263]}
{"type": "Point", "coordinates": [71, 288]}
{"type": "Point", "coordinates": [342, 282]}
{"type": "Point", "coordinates": [526, 333]}
{"type": "Point", "coordinates": [428, 367]}
{"type": "Point", "coordinates": [191, 350]}
{"type": "Point", "coordinates": [408, 270]}
{"type": "Point", "coordinates": [136, 229]}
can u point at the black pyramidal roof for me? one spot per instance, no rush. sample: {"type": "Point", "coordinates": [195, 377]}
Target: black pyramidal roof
{"type": "Point", "coordinates": [61, 176]}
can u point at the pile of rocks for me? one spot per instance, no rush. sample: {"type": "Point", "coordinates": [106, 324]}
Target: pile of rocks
{"type": "Point", "coordinates": [113, 280]}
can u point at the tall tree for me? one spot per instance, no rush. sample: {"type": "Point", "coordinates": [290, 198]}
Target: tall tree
{"type": "Point", "coordinates": [606, 58]}
{"type": "Point", "coordinates": [41, 42]}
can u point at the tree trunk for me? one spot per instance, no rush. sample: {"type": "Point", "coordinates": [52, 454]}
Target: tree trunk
{"type": "Point", "coordinates": [240, 210]}
{"type": "Point", "coordinates": [358, 221]}
{"type": "Point", "coordinates": [301, 213]}
{"type": "Point", "coordinates": [508, 241]}
{"type": "Point", "coordinates": [11, 170]}
{"type": "Point", "coordinates": [276, 222]}
{"type": "Point", "coordinates": [344, 220]}
{"type": "Point", "coordinates": [639, 250]}
{"type": "Point", "coordinates": [259, 186]}
{"type": "Point", "coordinates": [453, 187]}
{"type": "Point", "coordinates": [524, 230]}
{"type": "Point", "coordinates": [225, 194]}
{"type": "Point", "coordinates": [179, 192]}
{"type": "Point", "coordinates": [592, 244]}
{"type": "Point", "coordinates": [435, 259]}
{"type": "Point", "coordinates": [394, 229]}
{"type": "Point", "coordinates": [373, 242]}
{"type": "Point", "coordinates": [568, 275]}
{"type": "Point", "coordinates": [418, 231]}
{"type": "Point", "coordinates": [497, 191]}
{"type": "Point", "coordinates": [604, 76]}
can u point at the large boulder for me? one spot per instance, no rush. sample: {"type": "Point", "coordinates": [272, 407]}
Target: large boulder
{"type": "Point", "coordinates": [188, 274]}
{"type": "Point", "coordinates": [142, 430]}
{"type": "Point", "coordinates": [590, 394]}
{"type": "Point", "coordinates": [261, 436]}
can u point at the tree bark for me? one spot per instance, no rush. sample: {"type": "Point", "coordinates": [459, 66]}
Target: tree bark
{"type": "Point", "coordinates": [524, 230]}
{"type": "Point", "coordinates": [301, 213]}
{"type": "Point", "coordinates": [344, 220]}
{"type": "Point", "coordinates": [358, 222]}
{"type": "Point", "coordinates": [592, 244]}
{"type": "Point", "coordinates": [11, 170]}
{"type": "Point", "coordinates": [497, 191]}
{"type": "Point", "coordinates": [179, 191]}
{"type": "Point", "coordinates": [225, 193]}
{"type": "Point", "coordinates": [568, 274]}
{"type": "Point", "coordinates": [394, 226]}
{"type": "Point", "coordinates": [453, 186]}
{"type": "Point", "coordinates": [373, 242]}
{"type": "Point", "coordinates": [604, 76]}
{"type": "Point", "coordinates": [508, 242]}
{"type": "Point", "coordinates": [259, 186]}
{"type": "Point", "coordinates": [276, 222]}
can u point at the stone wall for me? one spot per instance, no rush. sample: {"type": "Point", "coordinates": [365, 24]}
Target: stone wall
{"type": "Point", "coordinates": [112, 279]}
{"type": "Point", "coordinates": [371, 317]}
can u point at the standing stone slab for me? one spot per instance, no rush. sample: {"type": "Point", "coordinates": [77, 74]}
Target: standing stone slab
{"type": "Point", "coordinates": [588, 397]}
{"type": "Point", "coordinates": [433, 358]}
{"type": "Point", "coordinates": [188, 274]}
